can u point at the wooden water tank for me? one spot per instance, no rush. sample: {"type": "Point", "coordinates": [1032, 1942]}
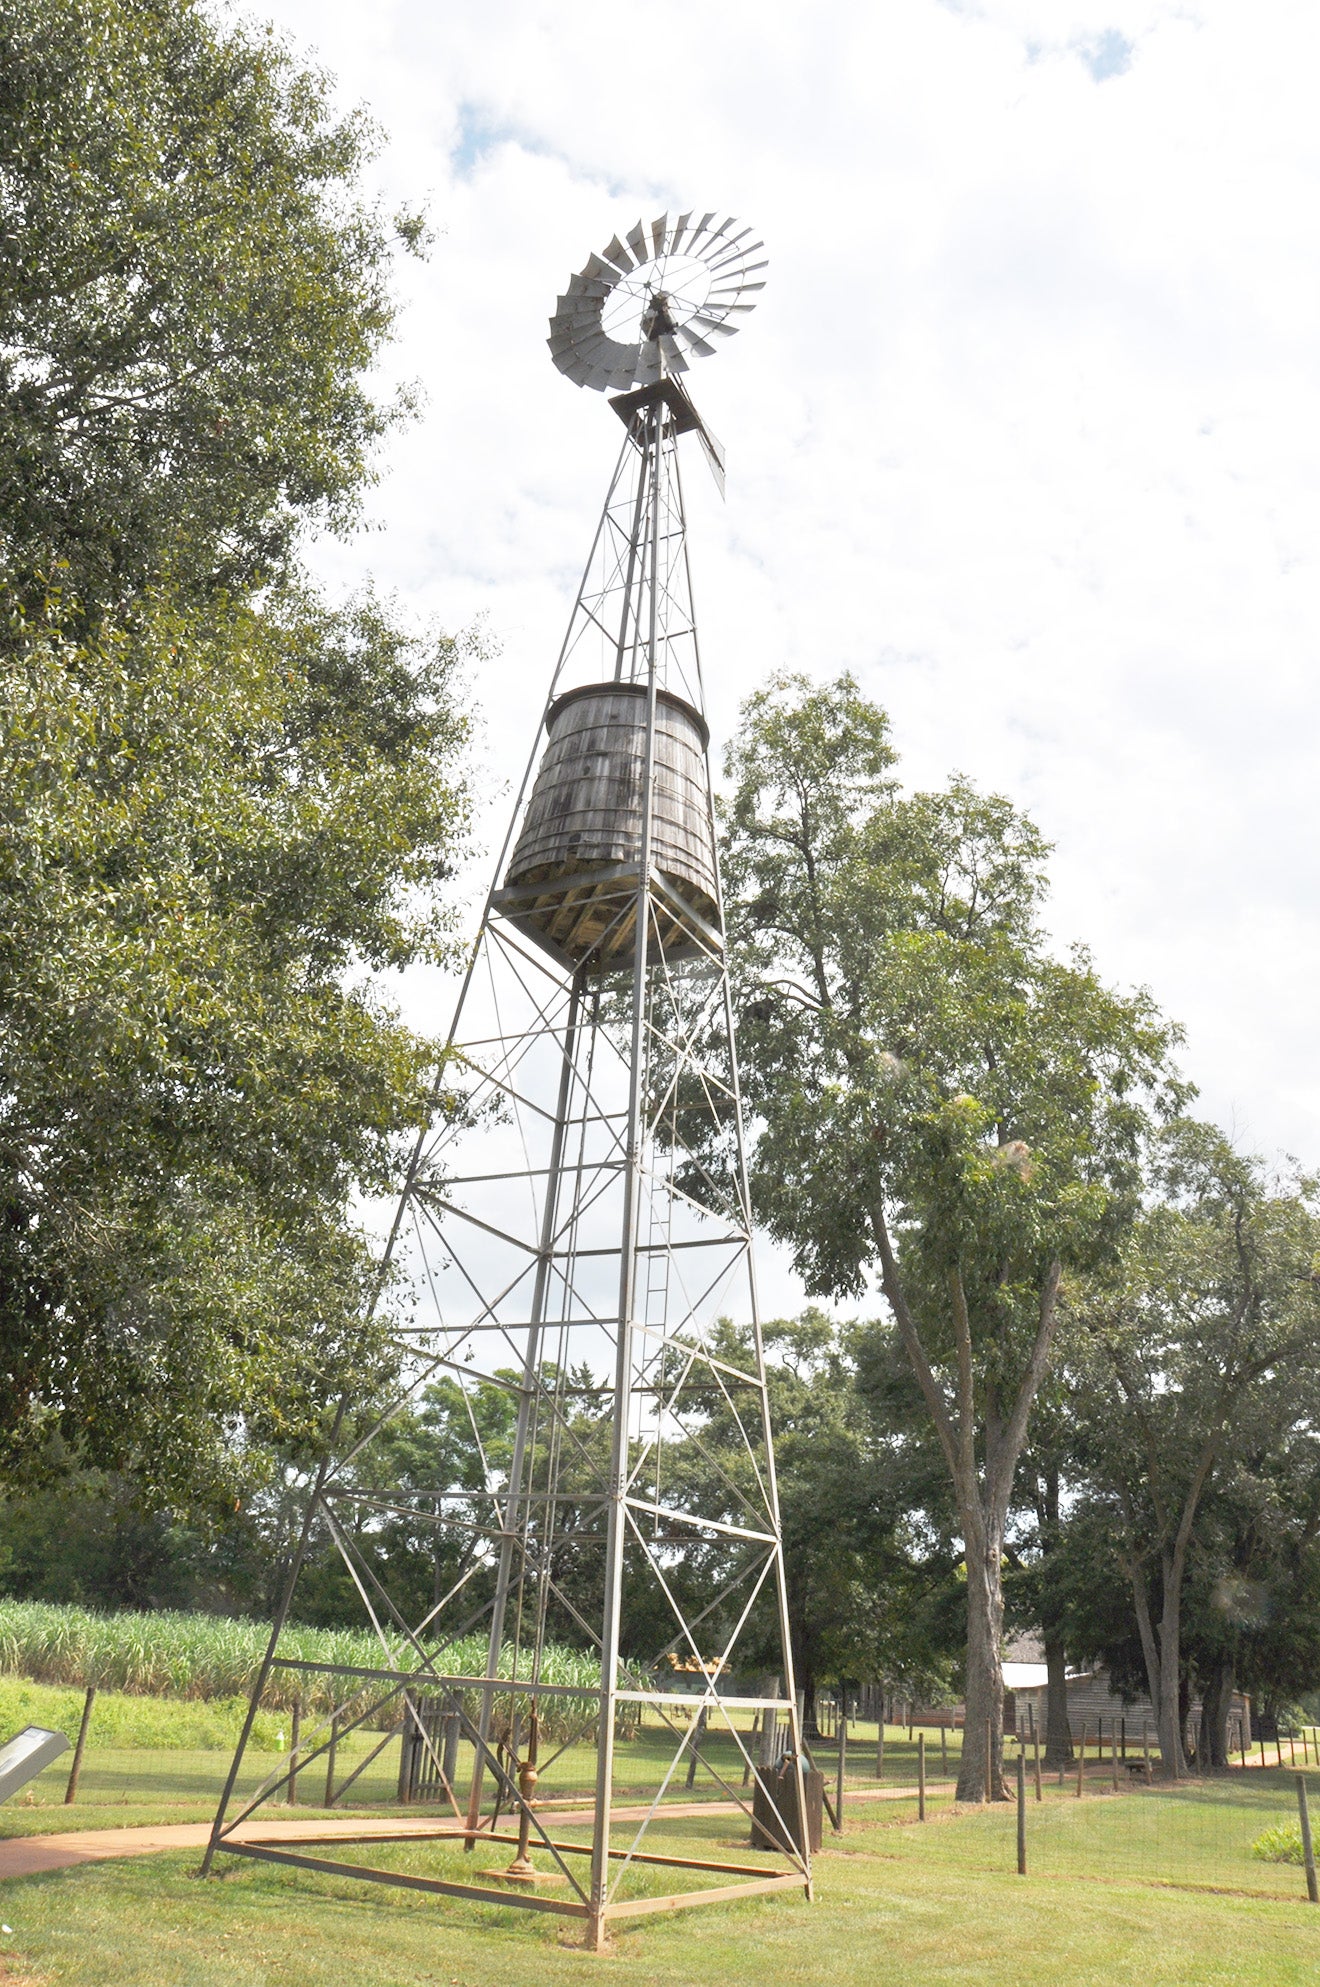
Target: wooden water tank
{"type": "Point", "coordinates": [573, 876]}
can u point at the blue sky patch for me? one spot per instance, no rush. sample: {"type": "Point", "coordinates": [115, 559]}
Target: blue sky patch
{"type": "Point", "coordinates": [1106, 54]}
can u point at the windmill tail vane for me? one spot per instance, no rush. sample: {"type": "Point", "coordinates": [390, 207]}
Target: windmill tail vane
{"type": "Point", "coordinates": [604, 1632]}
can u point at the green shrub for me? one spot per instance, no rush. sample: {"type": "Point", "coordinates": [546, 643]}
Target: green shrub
{"type": "Point", "coordinates": [1282, 1844]}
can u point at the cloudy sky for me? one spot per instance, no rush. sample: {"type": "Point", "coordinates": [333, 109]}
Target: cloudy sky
{"type": "Point", "coordinates": [1024, 433]}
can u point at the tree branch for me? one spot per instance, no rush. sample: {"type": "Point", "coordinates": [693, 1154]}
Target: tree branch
{"type": "Point", "coordinates": [932, 1391]}
{"type": "Point", "coordinates": [1001, 1481]}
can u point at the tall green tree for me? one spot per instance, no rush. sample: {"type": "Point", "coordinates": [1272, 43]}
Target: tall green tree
{"type": "Point", "coordinates": [226, 810]}
{"type": "Point", "coordinates": [191, 293]}
{"type": "Point", "coordinates": [943, 1103]}
{"type": "Point", "coordinates": [1197, 1349]}
{"type": "Point", "coordinates": [213, 833]}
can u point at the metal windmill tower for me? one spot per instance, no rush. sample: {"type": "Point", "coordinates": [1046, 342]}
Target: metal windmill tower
{"type": "Point", "coordinates": [575, 1226]}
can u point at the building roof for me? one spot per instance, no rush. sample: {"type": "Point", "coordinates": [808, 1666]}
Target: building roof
{"type": "Point", "coordinates": [1025, 1676]}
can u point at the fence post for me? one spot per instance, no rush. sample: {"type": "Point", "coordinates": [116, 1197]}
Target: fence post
{"type": "Point", "coordinates": [921, 1776]}
{"type": "Point", "coordinates": [295, 1737]}
{"type": "Point", "coordinates": [70, 1792]}
{"type": "Point", "coordinates": [1113, 1755]}
{"type": "Point", "coordinates": [331, 1750]}
{"type": "Point", "coordinates": [698, 1734]}
{"type": "Point", "coordinates": [1035, 1744]}
{"type": "Point", "coordinates": [1308, 1852]}
{"type": "Point", "coordinates": [1081, 1762]}
{"type": "Point", "coordinates": [843, 1761]}
{"type": "Point", "coordinates": [1022, 1813]}
{"type": "Point", "coordinates": [944, 1750]}
{"type": "Point", "coordinates": [880, 1742]}
{"type": "Point", "coordinates": [406, 1775]}
{"type": "Point", "coordinates": [1145, 1747]}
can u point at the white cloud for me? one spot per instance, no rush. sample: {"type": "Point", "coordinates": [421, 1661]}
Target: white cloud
{"type": "Point", "coordinates": [1025, 431]}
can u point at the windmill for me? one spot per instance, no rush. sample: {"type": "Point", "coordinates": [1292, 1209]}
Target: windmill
{"type": "Point", "coordinates": [576, 1230]}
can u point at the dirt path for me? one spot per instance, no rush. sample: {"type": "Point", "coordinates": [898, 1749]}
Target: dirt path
{"type": "Point", "coordinates": [28, 1855]}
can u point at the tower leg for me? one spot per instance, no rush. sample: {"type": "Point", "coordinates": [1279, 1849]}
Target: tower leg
{"type": "Point", "coordinates": [516, 1509]}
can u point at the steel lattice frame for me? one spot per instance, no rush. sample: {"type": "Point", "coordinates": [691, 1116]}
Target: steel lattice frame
{"type": "Point", "coordinates": [575, 1224]}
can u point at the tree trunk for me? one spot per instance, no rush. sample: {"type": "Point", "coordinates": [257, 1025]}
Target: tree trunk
{"type": "Point", "coordinates": [983, 1494]}
{"type": "Point", "coordinates": [985, 1669]}
{"type": "Point", "coordinates": [1216, 1701]}
{"type": "Point", "coordinates": [1170, 1709]}
{"type": "Point", "coordinates": [806, 1682]}
{"type": "Point", "coordinates": [1058, 1733]}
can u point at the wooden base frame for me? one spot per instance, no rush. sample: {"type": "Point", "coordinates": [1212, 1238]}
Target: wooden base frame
{"type": "Point", "coordinates": [756, 1881]}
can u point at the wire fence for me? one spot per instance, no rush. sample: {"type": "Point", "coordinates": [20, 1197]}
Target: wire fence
{"type": "Point", "coordinates": [1102, 1817]}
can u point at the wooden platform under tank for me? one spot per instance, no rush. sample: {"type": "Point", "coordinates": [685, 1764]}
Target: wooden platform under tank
{"type": "Point", "coordinates": [589, 919]}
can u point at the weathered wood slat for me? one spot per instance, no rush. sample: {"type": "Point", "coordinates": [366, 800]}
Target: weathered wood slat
{"type": "Point", "coordinates": [581, 835]}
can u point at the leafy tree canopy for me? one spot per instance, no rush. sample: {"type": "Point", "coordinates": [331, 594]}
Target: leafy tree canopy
{"type": "Point", "coordinates": [212, 828]}
{"type": "Point", "coordinates": [227, 807]}
{"type": "Point", "coordinates": [1195, 1359]}
{"type": "Point", "coordinates": [190, 294]}
{"type": "Point", "coordinates": [944, 1103]}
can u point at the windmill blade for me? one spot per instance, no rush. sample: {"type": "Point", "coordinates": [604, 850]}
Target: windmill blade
{"type": "Point", "coordinates": [732, 244]}
{"type": "Point", "coordinates": [597, 269]}
{"type": "Point", "coordinates": [721, 240]}
{"type": "Point", "coordinates": [587, 357]}
{"type": "Point", "coordinates": [673, 353]}
{"type": "Point", "coordinates": [737, 275]}
{"type": "Point", "coordinates": [694, 342]}
{"type": "Point", "coordinates": [594, 347]}
{"type": "Point", "coordinates": [572, 325]}
{"type": "Point", "coordinates": [713, 453]}
{"type": "Point", "coordinates": [713, 327]}
{"type": "Point", "coordinates": [565, 337]}
{"type": "Point", "coordinates": [708, 293]}
{"type": "Point", "coordinates": [572, 310]}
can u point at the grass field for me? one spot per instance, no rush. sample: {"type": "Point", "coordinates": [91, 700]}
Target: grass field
{"type": "Point", "coordinates": [1141, 1887]}
{"type": "Point", "coordinates": [924, 1905]}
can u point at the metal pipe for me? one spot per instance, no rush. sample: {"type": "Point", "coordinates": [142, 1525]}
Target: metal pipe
{"type": "Point", "coordinates": [634, 1159]}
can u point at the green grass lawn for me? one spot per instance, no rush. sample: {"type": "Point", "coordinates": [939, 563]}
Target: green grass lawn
{"type": "Point", "coordinates": [1144, 1887]}
{"type": "Point", "coordinates": [895, 1902]}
